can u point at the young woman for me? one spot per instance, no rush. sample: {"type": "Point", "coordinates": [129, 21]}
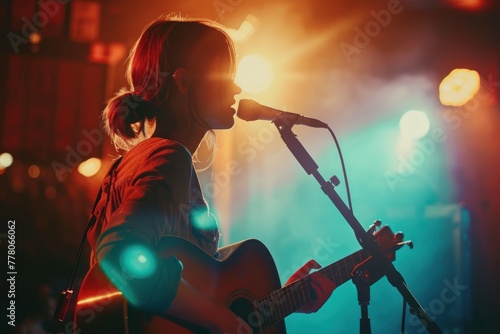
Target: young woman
{"type": "Point", "coordinates": [181, 88]}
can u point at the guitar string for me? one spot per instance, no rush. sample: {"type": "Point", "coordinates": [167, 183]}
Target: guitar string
{"type": "Point", "coordinates": [296, 301]}
{"type": "Point", "coordinates": [334, 275]}
{"type": "Point", "coordinates": [286, 305]}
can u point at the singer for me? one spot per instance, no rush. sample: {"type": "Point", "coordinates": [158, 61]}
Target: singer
{"type": "Point", "coordinates": [180, 75]}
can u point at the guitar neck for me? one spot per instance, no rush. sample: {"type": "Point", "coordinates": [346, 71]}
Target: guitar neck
{"type": "Point", "coordinates": [283, 302]}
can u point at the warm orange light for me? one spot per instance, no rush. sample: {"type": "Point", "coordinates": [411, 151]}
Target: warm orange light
{"type": "Point", "coordinates": [98, 298]}
{"type": "Point", "coordinates": [254, 74]}
{"type": "Point", "coordinates": [467, 4]}
{"type": "Point", "coordinates": [50, 192]}
{"type": "Point", "coordinates": [34, 171]}
{"type": "Point", "coordinates": [35, 38]}
{"type": "Point", "coordinates": [246, 29]}
{"type": "Point", "coordinates": [89, 167]}
{"type": "Point", "coordinates": [108, 53]}
{"type": "Point", "coordinates": [459, 87]}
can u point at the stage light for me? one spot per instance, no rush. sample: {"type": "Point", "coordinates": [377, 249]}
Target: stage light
{"type": "Point", "coordinates": [246, 29]}
{"type": "Point", "coordinates": [458, 87]}
{"type": "Point", "coordinates": [89, 167]}
{"type": "Point", "coordinates": [254, 74]}
{"type": "Point", "coordinates": [34, 171]}
{"type": "Point", "coordinates": [108, 53]}
{"type": "Point", "coordinates": [243, 32]}
{"type": "Point", "coordinates": [6, 160]}
{"type": "Point", "coordinates": [50, 192]}
{"type": "Point", "coordinates": [35, 38]}
{"type": "Point", "coordinates": [471, 5]}
{"type": "Point", "coordinates": [414, 124]}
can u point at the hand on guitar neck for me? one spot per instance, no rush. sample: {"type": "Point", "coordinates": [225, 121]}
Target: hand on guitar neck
{"type": "Point", "coordinates": [322, 286]}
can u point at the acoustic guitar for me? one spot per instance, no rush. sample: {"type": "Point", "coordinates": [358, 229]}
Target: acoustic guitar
{"type": "Point", "coordinates": [244, 278]}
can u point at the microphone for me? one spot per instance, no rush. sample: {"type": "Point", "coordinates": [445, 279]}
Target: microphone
{"type": "Point", "coordinates": [249, 110]}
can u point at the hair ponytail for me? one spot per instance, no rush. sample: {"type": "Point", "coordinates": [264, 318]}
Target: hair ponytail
{"type": "Point", "coordinates": [125, 116]}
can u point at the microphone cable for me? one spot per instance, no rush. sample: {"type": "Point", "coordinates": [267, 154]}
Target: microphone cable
{"type": "Point", "coordinates": [344, 172]}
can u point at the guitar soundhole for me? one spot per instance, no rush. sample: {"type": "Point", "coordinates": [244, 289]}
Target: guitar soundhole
{"type": "Point", "coordinates": [244, 308]}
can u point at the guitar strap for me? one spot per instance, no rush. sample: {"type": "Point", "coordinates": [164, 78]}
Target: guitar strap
{"type": "Point", "coordinates": [65, 297]}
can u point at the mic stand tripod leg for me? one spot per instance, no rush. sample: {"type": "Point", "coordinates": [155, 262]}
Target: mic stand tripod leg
{"type": "Point", "coordinates": [361, 280]}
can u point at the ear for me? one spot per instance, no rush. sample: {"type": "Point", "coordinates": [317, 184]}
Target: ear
{"type": "Point", "coordinates": [181, 78]}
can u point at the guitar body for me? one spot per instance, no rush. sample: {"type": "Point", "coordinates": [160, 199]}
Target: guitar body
{"type": "Point", "coordinates": [244, 279]}
{"type": "Point", "coordinates": [244, 274]}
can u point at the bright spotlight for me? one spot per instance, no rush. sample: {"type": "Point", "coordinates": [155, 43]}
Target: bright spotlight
{"type": "Point", "coordinates": [254, 74]}
{"type": "Point", "coordinates": [458, 87]}
{"type": "Point", "coordinates": [89, 167]}
{"type": "Point", "coordinates": [6, 160]}
{"type": "Point", "coordinates": [414, 124]}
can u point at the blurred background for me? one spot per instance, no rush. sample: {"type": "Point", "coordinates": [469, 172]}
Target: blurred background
{"type": "Point", "coordinates": [410, 88]}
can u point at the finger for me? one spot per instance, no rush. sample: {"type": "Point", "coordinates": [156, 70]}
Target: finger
{"type": "Point", "coordinates": [312, 264]}
{"type": "Point", "coordinates": [303, 271]}
{"type": "Point", "coordinates": [322, 288]}
{"type": "Point", "coordinates": [307, 267]}
{"type": "Point", "coordinates": [323, 281]}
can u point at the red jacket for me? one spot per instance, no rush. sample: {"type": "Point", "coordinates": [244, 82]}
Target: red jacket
{"type": "Point", "coordinates": [154, 191]}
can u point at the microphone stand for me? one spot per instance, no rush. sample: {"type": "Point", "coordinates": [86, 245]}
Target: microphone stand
{"type": "Point", "coordinates": [284, 125]}
{"type": "Point", "coordinates": [361, 280]}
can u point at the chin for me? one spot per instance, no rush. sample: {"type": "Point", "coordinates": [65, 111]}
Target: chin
{"type": "Point", "coordinates": [225, 124]}
{"type": "Point", "coordinates": [225, 120]}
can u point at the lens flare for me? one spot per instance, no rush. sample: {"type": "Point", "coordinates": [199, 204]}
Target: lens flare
{"type": "Point", "coordinates": [138, 261]}
{"type": "Point", "coordinates": [89, 167]}
{"type": "Point", "coordinates": [254, 74]}
{"type": "Point", "coordinates": [34, 171]}
{"type": "Point", "coordinates": [414, 124]}
{"type": "Point", "coordinates": [6, 160]}
{"type": "Point", "coordinates": [202, 219]}
{"type": "Point", "coordinates": [458, 87]}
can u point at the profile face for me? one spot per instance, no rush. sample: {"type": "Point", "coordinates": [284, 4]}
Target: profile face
{"type": "Point", "coordinates": [216, 95]}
